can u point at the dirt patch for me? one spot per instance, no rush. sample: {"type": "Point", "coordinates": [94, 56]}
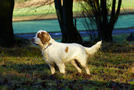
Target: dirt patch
{"type": "Point", "coordinates": [37, 17]}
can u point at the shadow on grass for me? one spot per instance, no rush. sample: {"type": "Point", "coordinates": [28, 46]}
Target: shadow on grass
{"type": "Point", "coordinates": [53, 83]}
{"type": "Point", "coordinates": [117, 47]}
{"type": "Point", "coordinates": [32, 73]}
{"type": "Point", "coordinates": [21, 52]}
{"type": "Point", "coordinates": [38, 77]}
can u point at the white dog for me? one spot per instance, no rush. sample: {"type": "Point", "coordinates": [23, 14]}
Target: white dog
{"type": "Point", "coordinates": [60, 53]}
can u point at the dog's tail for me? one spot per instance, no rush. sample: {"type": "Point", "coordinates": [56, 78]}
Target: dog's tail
{"type": "Point", "coordinates": [92, 50]}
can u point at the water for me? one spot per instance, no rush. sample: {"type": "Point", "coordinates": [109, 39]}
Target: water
{"type": "Point", "coordinates": [125, 21]}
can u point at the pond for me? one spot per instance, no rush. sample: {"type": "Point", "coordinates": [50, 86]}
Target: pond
{"type": "Point", "coordinates": [124, 21]}
{"type": "Point", "coordinates": [27, 29]}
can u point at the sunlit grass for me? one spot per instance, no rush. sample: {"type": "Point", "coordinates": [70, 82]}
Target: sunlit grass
{"type": "Point", "coordinates": [30, 11]}
{"type": "Point", "coordinates": [127, 3]}
{"type": "Point", "coordinates": [50, 9]}
{"type": "Point", "coordinates": [42, 10]}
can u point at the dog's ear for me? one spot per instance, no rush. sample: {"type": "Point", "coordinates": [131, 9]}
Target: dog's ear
{"type": "Point", "coordinates": [44, 37]}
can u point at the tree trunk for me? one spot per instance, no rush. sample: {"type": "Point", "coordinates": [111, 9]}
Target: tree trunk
{"type": "Point", "coordinates": [106, 31]}
{"type": "Point", "coordinates": [65, 18]}
{"type": "Point", "coordinates": [6, 29]}
{"type": "Point", "coordinates": [104, 21]}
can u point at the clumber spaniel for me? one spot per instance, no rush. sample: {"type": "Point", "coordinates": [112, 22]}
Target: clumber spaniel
{"type": "Point", "coordinates": [60, 53]}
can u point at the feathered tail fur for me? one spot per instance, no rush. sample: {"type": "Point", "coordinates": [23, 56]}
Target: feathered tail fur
{"type": "Point", "coordinates": [92, 50]}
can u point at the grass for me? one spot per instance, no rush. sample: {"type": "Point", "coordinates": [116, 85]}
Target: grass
{"type": "Point", "coordinates": [42, 10]}
{"type": "Point", "coordinates": [24, 68]}
{"type": "Point", "coordinates": [50, 9]}
{"type": "Point", "coordinates": [120, 38]}
{"type": "Point", "coordinates": [127, 3]}
{"type": "Point", "coordinates": [31, 11]}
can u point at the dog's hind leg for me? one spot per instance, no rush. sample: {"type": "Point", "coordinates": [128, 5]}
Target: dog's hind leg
{"type": "Point", "coordinates": [76, 66]}
{"type": "Point", "coordinates": [87, 69]}
{"type": "Point", "coordinates": [85, 66]}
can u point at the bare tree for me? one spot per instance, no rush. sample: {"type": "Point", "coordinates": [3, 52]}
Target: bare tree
{"type": "Point", "coordinates": [65, 18]}
{"type": "Point", "coordinates": [105, 14]}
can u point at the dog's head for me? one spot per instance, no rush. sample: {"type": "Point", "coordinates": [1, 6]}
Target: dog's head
{"type": "Point", "coordinates": [41, 38]}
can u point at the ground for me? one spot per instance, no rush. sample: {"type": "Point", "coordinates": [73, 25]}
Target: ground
{"type": "Point", "coordinates": [111, 68]}
{"type": "Point", "coordinates": [24, 68]}
{"type": "Point", "coordinates": [32, 10]}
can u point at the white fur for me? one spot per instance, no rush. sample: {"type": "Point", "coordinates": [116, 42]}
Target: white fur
{"type": "Point", "coordinates": [56, 54]}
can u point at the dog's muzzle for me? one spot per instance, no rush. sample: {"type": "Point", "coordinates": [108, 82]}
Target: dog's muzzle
{"type": "Point", "coordinates": [33, 40]}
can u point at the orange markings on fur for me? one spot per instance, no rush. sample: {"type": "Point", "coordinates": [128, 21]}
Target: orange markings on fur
{"type": "Point", "coordinates": [66, 50]}
{"type": "Point", "coordinates": [44, 37]}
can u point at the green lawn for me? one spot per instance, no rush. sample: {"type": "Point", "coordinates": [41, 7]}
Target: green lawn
{"type": "Point", "coordinates": [127, 3]}
{"type": "Point", "coordinates": [31, 11]}
{"type": "Point", "coordinates": [43, 10]}
{"type": "Point", "coordinates": [24, 68]}
{"type": "Point", "coordinates": [50, 9]}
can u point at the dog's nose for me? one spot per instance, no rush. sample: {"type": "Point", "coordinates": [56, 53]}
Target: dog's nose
{"type": "Point", "coordinates": [32, 40]}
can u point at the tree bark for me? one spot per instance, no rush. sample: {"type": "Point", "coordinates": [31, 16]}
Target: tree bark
{"type": "Point", "coordinates": [6, 29]}
{"type": "Point", "coordinates": [104, 21]}
{"type": "Point", "coordinates": [65, 18]}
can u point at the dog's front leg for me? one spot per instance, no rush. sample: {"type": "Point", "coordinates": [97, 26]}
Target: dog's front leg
{"type": "Point", "coordinates": [52, 68]}
{"type": "Point", "coordinates": [61, 67]}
